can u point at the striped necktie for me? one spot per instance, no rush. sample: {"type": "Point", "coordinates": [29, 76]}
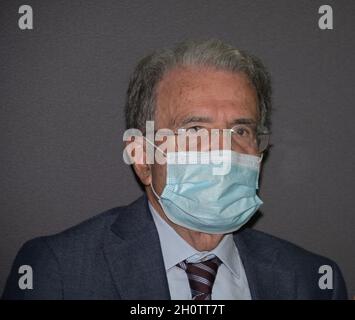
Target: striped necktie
{"type": "Point", "coordinates": [201, 277]}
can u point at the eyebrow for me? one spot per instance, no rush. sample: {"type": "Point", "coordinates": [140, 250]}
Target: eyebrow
{"type": "Point", "coordinates": [192, 119]}
{"type": "Point", "coordinates": [204, 119]}
{"type": "Point", "coordinates": [243, 121]}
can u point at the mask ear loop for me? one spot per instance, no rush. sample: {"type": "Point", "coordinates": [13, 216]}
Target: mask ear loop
{"type": "Point", "coordinates": [157, 196]}
{"type": "Point", "coordinates": [164, 153]}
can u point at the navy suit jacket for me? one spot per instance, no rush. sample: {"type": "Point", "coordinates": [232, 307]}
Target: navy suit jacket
{"type": "Point", "coordinates": [117, 255]}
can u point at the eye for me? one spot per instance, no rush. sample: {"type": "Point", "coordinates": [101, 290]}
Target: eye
{"type": "Point", "coordinates": [193, 129]}
{"type": "Point", "coordinates": [242, 131]}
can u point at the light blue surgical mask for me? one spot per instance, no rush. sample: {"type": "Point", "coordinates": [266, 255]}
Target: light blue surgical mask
{"type": "Point", "coordinates": [212, 192]}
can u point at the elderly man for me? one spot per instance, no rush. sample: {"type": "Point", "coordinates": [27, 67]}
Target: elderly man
{"type": "Point", "coordinates": [183, 239]}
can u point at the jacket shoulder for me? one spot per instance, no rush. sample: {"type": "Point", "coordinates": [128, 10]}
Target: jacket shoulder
{"type": "Point", "coordinates": [306, 265]}
{"type": "Point", "coordinates": [267, 244]}
{"type": "Point", "coordinates": [52, 258]}
{"type": "Point", "coordinates": [88, 231]}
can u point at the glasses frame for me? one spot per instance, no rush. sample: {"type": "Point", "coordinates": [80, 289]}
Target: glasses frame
{"type": "Point", "coordinates": [262, 135]}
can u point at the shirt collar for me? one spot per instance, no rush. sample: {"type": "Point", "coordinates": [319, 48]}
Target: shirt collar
{"type": "Point", "coordinates": [175, 249]}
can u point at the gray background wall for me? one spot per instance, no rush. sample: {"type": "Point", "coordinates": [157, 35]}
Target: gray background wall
{"type": "Point", "coordinates": [62, 89]}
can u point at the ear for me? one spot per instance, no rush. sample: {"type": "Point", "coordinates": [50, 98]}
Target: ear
{"type": "Point", "coordinates": [136, 151]}
{"type": "Point", "coordinates": [144, 173]}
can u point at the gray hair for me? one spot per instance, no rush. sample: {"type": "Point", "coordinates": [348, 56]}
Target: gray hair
{"type": "Point", "coordinates": [141, 93]}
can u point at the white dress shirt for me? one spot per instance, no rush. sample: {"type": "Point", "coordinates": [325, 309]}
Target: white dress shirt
{"type": "Point", "coordinates": [231, 281]}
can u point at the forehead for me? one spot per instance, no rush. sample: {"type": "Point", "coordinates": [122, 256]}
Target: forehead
{"type": "Point", "coordinates": [204, 92]}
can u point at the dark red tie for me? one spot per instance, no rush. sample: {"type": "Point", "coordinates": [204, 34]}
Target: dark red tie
{"type": "Point", "coordinates": [201, 277]}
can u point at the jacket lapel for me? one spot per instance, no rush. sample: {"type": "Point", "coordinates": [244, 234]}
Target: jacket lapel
{"type": "Point", "coordinates": [265, 277]}
{"type": "Point", "coordinates": [134, 255]}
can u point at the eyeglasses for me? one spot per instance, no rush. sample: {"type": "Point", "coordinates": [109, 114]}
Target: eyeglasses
{"type": "Point", "coordinates": [246, 136]}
